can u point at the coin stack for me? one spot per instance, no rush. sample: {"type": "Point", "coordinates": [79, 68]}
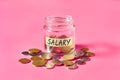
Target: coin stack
{"type": "Point", "coordinates": [51, 60]}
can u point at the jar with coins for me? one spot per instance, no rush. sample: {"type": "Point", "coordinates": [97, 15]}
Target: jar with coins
{"type": "Point", "coordinates": [59, 34]}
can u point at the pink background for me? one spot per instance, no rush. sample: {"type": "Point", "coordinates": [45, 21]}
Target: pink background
{"type": "Point", "coordinates": [97, 27]}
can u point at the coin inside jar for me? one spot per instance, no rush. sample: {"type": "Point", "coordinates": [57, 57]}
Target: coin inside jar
{"type": "Point", "coordinates": [52, 36]}
{"type": "Point", "coordinates": [62, 36]}
{"type": "Point", "coordinates": [66, 49]}
{"type": "Point", "coordinates": [55, 49]}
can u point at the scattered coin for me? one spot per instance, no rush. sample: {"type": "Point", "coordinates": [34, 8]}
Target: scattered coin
{"type": "Point", "coordinates": [39, 63]}
{"type": "Point", "coordinates": [84, 49]}
{"type": "Point", "coordinates": [79, 54]}
{"type": "Point", "coordinates": [68, 63]}
{"type": "Point", "coordinates": [25, 53]}
{"type": "Point", "coordinates": [69, 56]}
{"type": "Point", "coordinates": [85, 59]}
{"type": "Point", "coordinates": [49, 65]}
{"type": "Point", "coordinates": [34, 50]}
{"type": "Point", "coordinates": [89, 54]}
{"type": "Point", "coordinates": [55, 56]}
{"type": "Point", "coordinates": [46, 55]}
{"type": "Point", "coordinates": [24, 60]}
{"type": "Point", "coordinates": [36, 58]}
{"type": "Point", "coordinates": [57, 62]}
{"type": "Point", "coordinates": [74, 66]}
{"type": "Point", "coordinates": [80, 62]}
{"type": "Point", "coordinates": [35, 54]}
{"type": "Point", "coordinates": [60, 56]}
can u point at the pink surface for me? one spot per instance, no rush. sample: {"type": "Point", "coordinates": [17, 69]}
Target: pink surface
{"type": "Point", "coordinates": [97, 27]}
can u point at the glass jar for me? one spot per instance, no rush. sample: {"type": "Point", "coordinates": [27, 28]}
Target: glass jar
{"type": "Point", "coordinates": [60, 34]}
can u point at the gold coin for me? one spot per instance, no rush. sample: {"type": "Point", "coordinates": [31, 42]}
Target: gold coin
{"type": "Point", "coordinates": [38, 63]}
{"type": "Point", "coordinates": [74, 66]}
{"type": "Point", "coordinates": [57, 62]}
{"type": "Point", "coordinates": [84, 49]}
{"type": "Point", "coordinates": [89, 54]}
{"type": "Point", "coordinates": [34, 50]}
{"type": "Point", "coordinates": [80, 62]}
{"type": "Point", "coordinates": [49, 65]}
{"type": "Point", "coordinates": [69, 56]}
{"type": "Point", "coordinates": [36, 58]}
{"type": "Point", "coordinates": [46, 56]}
{"type": "Point", "coordinates": [24, 60]}
{"type": "Point", "coordinates": [68, 63]}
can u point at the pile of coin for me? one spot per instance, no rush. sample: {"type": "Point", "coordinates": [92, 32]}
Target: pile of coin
{"type": "Point", "coordinates": [70, 60]}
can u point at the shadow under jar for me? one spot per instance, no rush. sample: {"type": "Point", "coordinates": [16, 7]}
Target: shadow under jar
{"type": "Point", "coordinates": [60, 34]}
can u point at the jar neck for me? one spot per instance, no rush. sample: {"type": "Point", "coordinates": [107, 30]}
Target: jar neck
{"type": "Point", "coordinates": [58, 23]}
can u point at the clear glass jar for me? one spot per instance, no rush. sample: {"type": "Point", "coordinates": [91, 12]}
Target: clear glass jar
{"type": "Point", "coordinates": [60, 34]}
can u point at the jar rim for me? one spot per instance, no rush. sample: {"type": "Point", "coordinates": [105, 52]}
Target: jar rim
{"type": "Point", "coordinates": [58, 22]}
{"type": "Point", "coordinates": [59, 18]}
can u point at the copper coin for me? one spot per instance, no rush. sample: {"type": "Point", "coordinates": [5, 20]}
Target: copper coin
{"type": "Point", "coordinates": [52, 36]}
{"type": "Point", "coordinates": [24, 60]}
{"type": "Point", "coordinates": [62, 36]}
{"type": "Point", "coordinates": [84, 49]}
{"type": "Point", "coordinates": [25, 53]}
{"type": "Point", "coordinates": [34, 50]}
{"type": "Point", "coordinates": [89, 54]}
{"type": "Point", "coordinates": [56, 49]}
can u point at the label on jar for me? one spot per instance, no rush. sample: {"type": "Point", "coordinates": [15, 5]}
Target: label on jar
{"type": "Point", "coordinates": [59, 42]}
